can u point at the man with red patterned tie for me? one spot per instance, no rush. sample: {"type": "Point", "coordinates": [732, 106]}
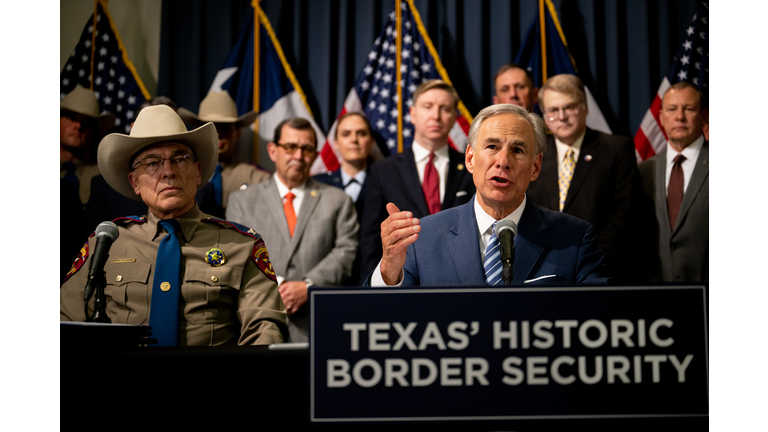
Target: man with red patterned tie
{"type": "Point", "coordinates": [676, 184]}
{"type": "Point", "coordinates": [427, 178]}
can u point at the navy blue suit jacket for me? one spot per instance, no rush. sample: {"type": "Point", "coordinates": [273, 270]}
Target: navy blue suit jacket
{"type": "Point", "coordinates": [396, 179]}
{"type": "Point", "coordinates": [551, 248]}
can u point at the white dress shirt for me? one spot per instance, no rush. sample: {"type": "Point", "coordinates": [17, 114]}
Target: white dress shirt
{"type": "Point", "coordinates": [441, 160]}
{"type": "Point", "coordinates": [485, 230]}
{"type": "Point", "coordinates": [563, 148]}
{"type": "Point", "coordinates": [691, 154]}
{"type": "Point", "coordinates": [353, 188]}
{"type": "Point", "coordinates": [298, 193]}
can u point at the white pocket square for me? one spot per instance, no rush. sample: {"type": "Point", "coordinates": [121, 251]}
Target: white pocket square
{"type": "Point", "coordinates": [461, 193]}
{"type": "Point", "coordinates": [539, 278]}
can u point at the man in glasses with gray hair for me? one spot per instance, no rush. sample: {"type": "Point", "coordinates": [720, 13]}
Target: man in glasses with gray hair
{"type": "Point", "coordinates": [590, 175]}
{"type": "Point", "coordinates": [310, 227]}
{"type": "Point", "coordinates": [194, 279]}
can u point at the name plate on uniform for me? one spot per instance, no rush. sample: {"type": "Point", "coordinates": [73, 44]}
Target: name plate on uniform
{"type": "Point", "coordinates": [445, 354]}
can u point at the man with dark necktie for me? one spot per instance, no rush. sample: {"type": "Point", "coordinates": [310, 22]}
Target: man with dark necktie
{"type": "Point", "coordinates": [194, 279]}
{"type": "Point", "coordinates": [426, 178]}
{"type": "Point", "coordinates": [676, 185]}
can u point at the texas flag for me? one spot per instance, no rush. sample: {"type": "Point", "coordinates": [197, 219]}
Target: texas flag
{"type": "Point", "coordinates": [280, 95]}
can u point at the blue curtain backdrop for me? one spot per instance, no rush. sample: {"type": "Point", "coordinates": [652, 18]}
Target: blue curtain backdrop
{"type": "Point", "coordinates": [623, 49]}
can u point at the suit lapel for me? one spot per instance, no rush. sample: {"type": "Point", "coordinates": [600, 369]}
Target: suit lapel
{"type": "Point", "coordinates": [464, 247]}
{"type": "Point", "coordinates": [700, 174]}
{"type": "Point", "coordinates": [549, 181]}
{"type": "Point", "coordinates": [529, 243]}
{"type": "Point", "coordinates": [411, 183]}
{"type": "Point", "coordinates": [590, 147]}
{"type": "Point", "coordinates": [273, 201]}
{"type": "Point", "coordinates": [662, 214]}
{"type": "Point", "coordinates": [308, 204]}
{"type": "Point", "coordinates": [453, 180]}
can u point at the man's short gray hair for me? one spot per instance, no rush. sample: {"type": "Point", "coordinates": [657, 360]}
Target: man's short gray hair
{"type": "Point", "coordinates": [539, 129]}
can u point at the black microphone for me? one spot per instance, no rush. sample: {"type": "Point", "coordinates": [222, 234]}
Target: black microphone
{"type": "Point", "coordinates": [505, 230]}
{"type": "Point", "coordinates": [106, 234]}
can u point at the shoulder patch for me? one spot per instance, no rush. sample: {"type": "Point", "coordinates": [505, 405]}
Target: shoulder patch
{"type": "Point", "coordinates": [80, 260]}
{"type": "Point", "coordinates": [260, 257]}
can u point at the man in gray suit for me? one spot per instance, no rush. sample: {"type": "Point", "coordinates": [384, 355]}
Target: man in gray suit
{"type": "Point", "coordinates": [676, 184]}
{"type": "Point", "coordinates": [310, 228]}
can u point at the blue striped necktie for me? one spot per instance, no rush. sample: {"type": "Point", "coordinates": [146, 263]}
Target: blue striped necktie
{"type": "Point", "coordinates": [493, 259]}
{"type": "Point", "coordinates": [164, 311]}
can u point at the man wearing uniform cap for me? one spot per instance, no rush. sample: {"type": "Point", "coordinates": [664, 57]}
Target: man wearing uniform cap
{"type": "Point", "coordinates": [81, 126]}
{"type": "Point", "coordinates": [194, 279]}
{"type": "Point", "coordinates": [231, 174]}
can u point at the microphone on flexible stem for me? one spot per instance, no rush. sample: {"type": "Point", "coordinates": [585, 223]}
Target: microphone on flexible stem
{"type": "Point", "coordinates": [505, 230]}
{"type": "Point", "coordinates": [106, 234]}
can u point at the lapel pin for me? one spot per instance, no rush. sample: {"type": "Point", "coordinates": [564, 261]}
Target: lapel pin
{"type": "Point", "coordinates": [460, 167]}
{"type": "Point", "coordinates": [588, 158]}
{"type": "Point", "coordinates": [313, 193]}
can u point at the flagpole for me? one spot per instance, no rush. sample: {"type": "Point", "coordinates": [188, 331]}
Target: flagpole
{"type": "Point", "coordinates": [93, 36]}
{"type": "Point", "coordinates": [398, 60]}
{"type": "Point", "coordinates": [431, 48]}
{"type": "Point", "coordinates": [256, 76]}
{"type": "Point", "coordinates": [543, 29]}
{"type": "Point", "coordinates": [553, 14]}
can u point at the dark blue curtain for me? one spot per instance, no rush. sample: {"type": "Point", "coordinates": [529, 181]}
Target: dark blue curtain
{"type": "Point", "coordinates": [622, 49]}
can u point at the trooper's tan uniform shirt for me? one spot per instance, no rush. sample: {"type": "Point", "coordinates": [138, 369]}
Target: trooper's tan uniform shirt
{"type": "Point", "coordinates": [236, 175]}
{"type": "Point", "coordinates": [235, 303]}
{"type": "Point", "coordinates": [84, 172]}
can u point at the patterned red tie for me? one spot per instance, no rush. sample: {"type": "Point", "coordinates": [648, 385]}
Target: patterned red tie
{"type": "Point", "coordinates": [675, 190]}
{"type": "Point", "coordinates": [431, 186]}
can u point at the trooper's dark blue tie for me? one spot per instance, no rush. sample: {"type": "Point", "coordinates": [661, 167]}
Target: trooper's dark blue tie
{"type": "Point", "coordinates": [70, 176]}
{"type": "Point", "coordinates": [164, 311]}
{"type": "Point", "coordinates": [216, 180]}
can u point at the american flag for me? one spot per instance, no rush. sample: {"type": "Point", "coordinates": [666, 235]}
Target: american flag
{"type": "Point", "coordinates": [116, 86]}
{"type": "Point", "coordinates": [690, 64]}
{"type": "Point", "coordinates": [375, 92]}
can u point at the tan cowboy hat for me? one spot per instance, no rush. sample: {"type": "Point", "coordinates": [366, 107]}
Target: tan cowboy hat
{"type": "Point", "coordinates": [155, 124]}
{"type": "Point", "coordinates": [218, 107]}
{"type": "Point", "coordinates": [83, 101]}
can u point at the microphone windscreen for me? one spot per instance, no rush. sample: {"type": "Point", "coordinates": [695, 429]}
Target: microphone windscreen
{"type": "Point", "coordinates": [107, 229]}
{"type": "Point", "coordinates": [506, 224]}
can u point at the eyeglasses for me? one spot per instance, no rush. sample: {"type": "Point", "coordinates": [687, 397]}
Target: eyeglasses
{"type": "Point", "coordinates": [568, 110]}
{"type": "Point", "coordinates": [306, 150]}
{"type": "Point", "coordinates": [153, 164]}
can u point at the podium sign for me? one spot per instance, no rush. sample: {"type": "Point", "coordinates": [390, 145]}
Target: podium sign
{"type": "Point", "coordinates": [444, 354]}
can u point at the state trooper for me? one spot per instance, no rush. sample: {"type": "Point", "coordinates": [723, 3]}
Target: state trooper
{"type": "Point", "coordinates": [195, 279]}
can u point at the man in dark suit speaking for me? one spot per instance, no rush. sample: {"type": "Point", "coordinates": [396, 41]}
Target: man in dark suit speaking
{"type": "Point", "coordinates": [426, 178]}
{"type": "Point", "coordinates": [458, 246]}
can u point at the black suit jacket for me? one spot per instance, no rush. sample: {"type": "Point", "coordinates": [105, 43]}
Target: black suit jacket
{"type": "Point", "coordinates": [333, 178]}
{"type": "Point", "coordinates": [396, 179]}
{"type": "Point", "coordinates": [606, 192]}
